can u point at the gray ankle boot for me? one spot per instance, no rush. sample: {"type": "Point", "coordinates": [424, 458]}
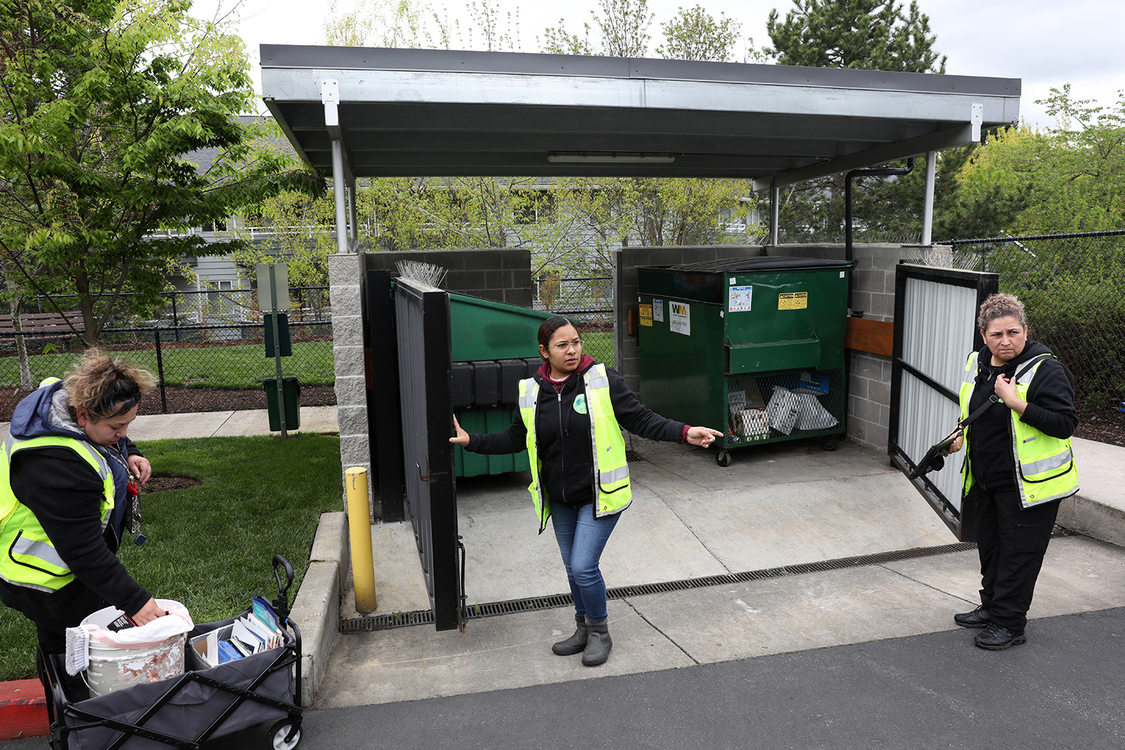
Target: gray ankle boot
{"type": "Point", "coordinates": [598, 643]}
{"type": "Point", "coordinates": [575, 643]}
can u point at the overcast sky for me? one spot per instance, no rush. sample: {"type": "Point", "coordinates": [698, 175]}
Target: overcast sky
{"type": "Point", "coordinates": [1046, 43]}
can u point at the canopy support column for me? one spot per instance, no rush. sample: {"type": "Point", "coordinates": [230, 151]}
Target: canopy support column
{"type": "Point", "coordinates": [928, 201]}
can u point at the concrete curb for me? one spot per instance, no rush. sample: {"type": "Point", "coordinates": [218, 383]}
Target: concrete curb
{"type": "Point", "coordinates": [316, 607]}
{"type": "Point", "coordinates": [1093, 519]}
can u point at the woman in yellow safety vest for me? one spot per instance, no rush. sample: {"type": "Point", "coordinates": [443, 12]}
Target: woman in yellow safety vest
{"type": "Point", "coordinates": [1018, 465]}
{"type": "Point", "coordinates": [570, 418]}
{"type": "Point", "coordinates": [69, 474]}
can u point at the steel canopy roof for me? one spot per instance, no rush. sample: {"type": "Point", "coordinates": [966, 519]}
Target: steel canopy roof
{"type": "Point", "coordinates": [449, 113]}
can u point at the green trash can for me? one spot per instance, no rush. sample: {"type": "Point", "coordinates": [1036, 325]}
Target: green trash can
{"type": "Point", "coordinates": [494, 345]}
{"type": "Point", "coordinates": [292, 391]}
{"type": "Point", "coordinates": [753, 346]}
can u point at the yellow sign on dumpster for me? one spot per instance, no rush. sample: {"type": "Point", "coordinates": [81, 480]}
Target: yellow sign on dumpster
{"type": "Point", "coordinates": [792, 300]}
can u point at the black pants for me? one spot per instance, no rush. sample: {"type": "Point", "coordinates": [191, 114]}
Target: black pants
{"type": "Point", "coordinates": [1011, 542]}
{"type": "Point", "coordinates": [52, 613]}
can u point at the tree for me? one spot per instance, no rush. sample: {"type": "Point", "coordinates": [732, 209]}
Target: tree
{"type": "Point", "coordinates": [863, 34]}
{"type": "Point", "coordinates": [102, 102]}
{"type": "Point", "coordinates": [623, 27]}
{"type": "Point", "coordinates": [693, 34]}
{"type": "Point", "coordinates": [1070, 178]}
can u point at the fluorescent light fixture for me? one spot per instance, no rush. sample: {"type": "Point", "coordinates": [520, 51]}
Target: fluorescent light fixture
{"type": "Point", "coordinates": [608, 157]}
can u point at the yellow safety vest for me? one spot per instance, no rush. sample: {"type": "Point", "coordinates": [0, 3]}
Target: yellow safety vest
{"type": "Point", "coordinates": [611, 469]}
{"type": "Point", "coordinates": [28, 558]}
{"type": "Point", "coordinates": [1045, 468]}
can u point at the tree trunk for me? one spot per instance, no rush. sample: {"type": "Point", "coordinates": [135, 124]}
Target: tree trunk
{"type": "Point", "coordinates": [21, 346]}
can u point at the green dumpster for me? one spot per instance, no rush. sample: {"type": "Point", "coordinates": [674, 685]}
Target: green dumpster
{"type": "Point", "coordinates": [494, 346]}
{"type": "Point", "coordinates": [753, 346]}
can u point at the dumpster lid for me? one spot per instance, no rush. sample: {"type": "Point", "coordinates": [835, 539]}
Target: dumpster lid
{"type": "Point", "coordinates": [760, 263]}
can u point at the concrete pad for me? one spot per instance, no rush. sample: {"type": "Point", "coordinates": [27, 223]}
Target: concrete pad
{"type": "Point", "coordinates": [164, 426]}
{"type": "Point", "coordinates": [399, 583]}
{"type": "Point", "coordinates": [241, 423]}
{"type": "Point", "coordinates": [319, 419]}
{"type": "Point", "coordinates": [1079, 575]}
{"type": "Point", "coordinates": [494, 653]}
{"type": "Point", "coordinates": [796, 613]}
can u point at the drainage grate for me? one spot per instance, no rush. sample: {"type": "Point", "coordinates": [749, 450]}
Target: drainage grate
{"type": "Point", "coordinates": [493, 609]}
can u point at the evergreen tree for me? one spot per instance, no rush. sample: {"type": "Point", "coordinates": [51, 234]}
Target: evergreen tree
{"type": "Point", "coordinates": [866, 35]}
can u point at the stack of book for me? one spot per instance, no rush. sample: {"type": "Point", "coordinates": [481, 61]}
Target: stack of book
{"type": "Point", "coordinates": [256, 631]}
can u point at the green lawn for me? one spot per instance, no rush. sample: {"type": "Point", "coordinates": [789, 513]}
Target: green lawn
{"type": "Point", "coordinates": [210, 547]}
{"type": "Point", "coordinates": [242, 366]}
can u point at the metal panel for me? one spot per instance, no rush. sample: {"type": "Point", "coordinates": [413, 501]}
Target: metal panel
{"type": "Point", "coordinates": [935, 329]}
{"type": "Point", "coordinates": [425, 380]}
{"type": "Point", "coordinates": [384, 415]}
{"type": "Point", "coordinates": [446, 113]}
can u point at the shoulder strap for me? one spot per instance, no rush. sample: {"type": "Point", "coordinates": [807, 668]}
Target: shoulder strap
{"type": "Point", "coordinates": [994, 398]}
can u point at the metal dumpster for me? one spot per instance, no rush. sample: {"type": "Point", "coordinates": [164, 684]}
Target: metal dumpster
{"type": "Point", "coordinates": [493, 347]}
{"type": "Point", "coordinates": [753, 346]}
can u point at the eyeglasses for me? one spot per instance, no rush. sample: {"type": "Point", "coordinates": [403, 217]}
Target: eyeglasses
{"type": "Point", "coordinates": [562, 346]}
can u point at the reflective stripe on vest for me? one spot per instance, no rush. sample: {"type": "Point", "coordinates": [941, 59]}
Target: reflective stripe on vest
{"type": "Point", "coordinates": [1045, 464]}
{"type": "Point", "coordinates": [27, 556]}
{"type": "Point", "coordinates": [606, 442]}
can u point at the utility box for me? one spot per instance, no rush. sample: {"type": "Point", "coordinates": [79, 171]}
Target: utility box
{"type": "Point", "coordinates": [752, 346]}
{"type": "Point", "coordinates": [493, 347]}
{"type": "Point", "coordinates": [292, 392]}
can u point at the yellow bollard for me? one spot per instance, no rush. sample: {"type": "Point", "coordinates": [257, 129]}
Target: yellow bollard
{"type": "Point", "coordinates": [359, 528]}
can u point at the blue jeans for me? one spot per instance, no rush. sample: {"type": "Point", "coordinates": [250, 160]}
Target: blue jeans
{"type": "Point", "coordinates": [581, 539]}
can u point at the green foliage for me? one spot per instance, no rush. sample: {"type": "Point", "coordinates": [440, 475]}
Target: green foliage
{"type": "Point", "coordinates": [101, 104]}
{"type": "Point", "coordinates": [693, 34]}
{"type": "Point", "coordinates": [210, 547]}
{"type": "Point", "coordinates": [1070, 178]}
{"type": "Point", "coordinates": [864, 34]}
{"type": "Point", "coordinates": [868, 35]}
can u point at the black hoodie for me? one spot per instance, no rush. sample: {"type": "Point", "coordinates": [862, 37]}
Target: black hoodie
{"type": "Point", "coordinates": [563, 433]}
{"type": "Point", "coordinates": [1050, 409]}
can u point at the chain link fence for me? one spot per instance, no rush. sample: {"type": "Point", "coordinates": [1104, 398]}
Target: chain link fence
{"type": "Point", "coordinates": [199, 367]}
{"type": "Point", "coordinates": [588, 302]}
{"type": "Point", "coordinates": [1073, 289]}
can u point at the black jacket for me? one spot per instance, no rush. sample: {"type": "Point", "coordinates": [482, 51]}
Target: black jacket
{"type": "Point", "coordinates": [1050, 409]}
{"type": "Point", "coordinates": [563, 434]}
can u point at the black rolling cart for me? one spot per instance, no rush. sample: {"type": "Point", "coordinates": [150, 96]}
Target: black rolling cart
{"type": "Point", "coordinates": [186, 710]}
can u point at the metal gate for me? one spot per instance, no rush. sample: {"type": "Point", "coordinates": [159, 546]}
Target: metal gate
{"type": "Point", "coordinates": [935, 329]}
{"type": "Point", "coordinates": [425, 371]}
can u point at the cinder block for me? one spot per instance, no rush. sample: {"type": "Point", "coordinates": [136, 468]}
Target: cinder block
{"type": "Point", "coordinates": [352, 420]}
{"type": "Point", "coordinates": [348, 359]}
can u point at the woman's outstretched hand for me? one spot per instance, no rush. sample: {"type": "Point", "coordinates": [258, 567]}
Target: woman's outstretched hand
{"type": "Point", "coordinates": [702, 436]}
{"type": "Point", "coordinates": [460, 437]}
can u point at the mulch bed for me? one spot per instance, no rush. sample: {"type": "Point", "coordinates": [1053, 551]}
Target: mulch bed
{"type": "Point", "coordinates": [157, 483]}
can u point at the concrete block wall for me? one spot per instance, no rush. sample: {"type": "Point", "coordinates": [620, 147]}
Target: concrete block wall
{"type": "Point", "coordinates": [501, 275]}
{"type": "Point", "coordinates": [873, 294]}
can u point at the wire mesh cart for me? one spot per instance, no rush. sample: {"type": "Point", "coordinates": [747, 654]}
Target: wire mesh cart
{"type": "Point", "coordinates": [184, 711]}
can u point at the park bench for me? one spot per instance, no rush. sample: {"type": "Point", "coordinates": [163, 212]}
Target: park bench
{"type": "Point", "coordinates": [43, 325]}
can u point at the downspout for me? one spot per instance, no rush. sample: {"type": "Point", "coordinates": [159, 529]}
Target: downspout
{"type": "Point", "coordinates": [848, 245]}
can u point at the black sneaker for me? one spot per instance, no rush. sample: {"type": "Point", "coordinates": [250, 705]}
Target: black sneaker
{"type": "Point", "coordinates": [978, 618]}
{"type": "Point", "coordinates": [997, 638]}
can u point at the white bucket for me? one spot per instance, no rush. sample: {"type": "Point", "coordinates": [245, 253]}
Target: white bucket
{"type": "Point", "coordinates": [116, 665]}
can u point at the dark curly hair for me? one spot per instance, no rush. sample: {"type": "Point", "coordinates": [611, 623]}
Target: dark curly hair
{"type": "Point", "coordinates": [106, 387]}
{"type": "Point", "coordinates": [1001, 306]}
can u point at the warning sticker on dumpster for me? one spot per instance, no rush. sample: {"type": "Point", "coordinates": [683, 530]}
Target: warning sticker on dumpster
{"type": "Point", "coordinates": [740, 298]}
{"type": "Point", "coordinates": [679, 317]}
{"type": "Point", "coordinates": [646, 316]}
{"type": "Point", "coordinates": [658, 310]}
{"type": "Point", "coordinates": [793, 301]}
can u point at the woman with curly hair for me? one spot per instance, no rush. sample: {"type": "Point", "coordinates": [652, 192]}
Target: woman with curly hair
{"type": "Point", "coordinates": [69, 475]}
{"type": "Point", "coordinates": [1018, 465]}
